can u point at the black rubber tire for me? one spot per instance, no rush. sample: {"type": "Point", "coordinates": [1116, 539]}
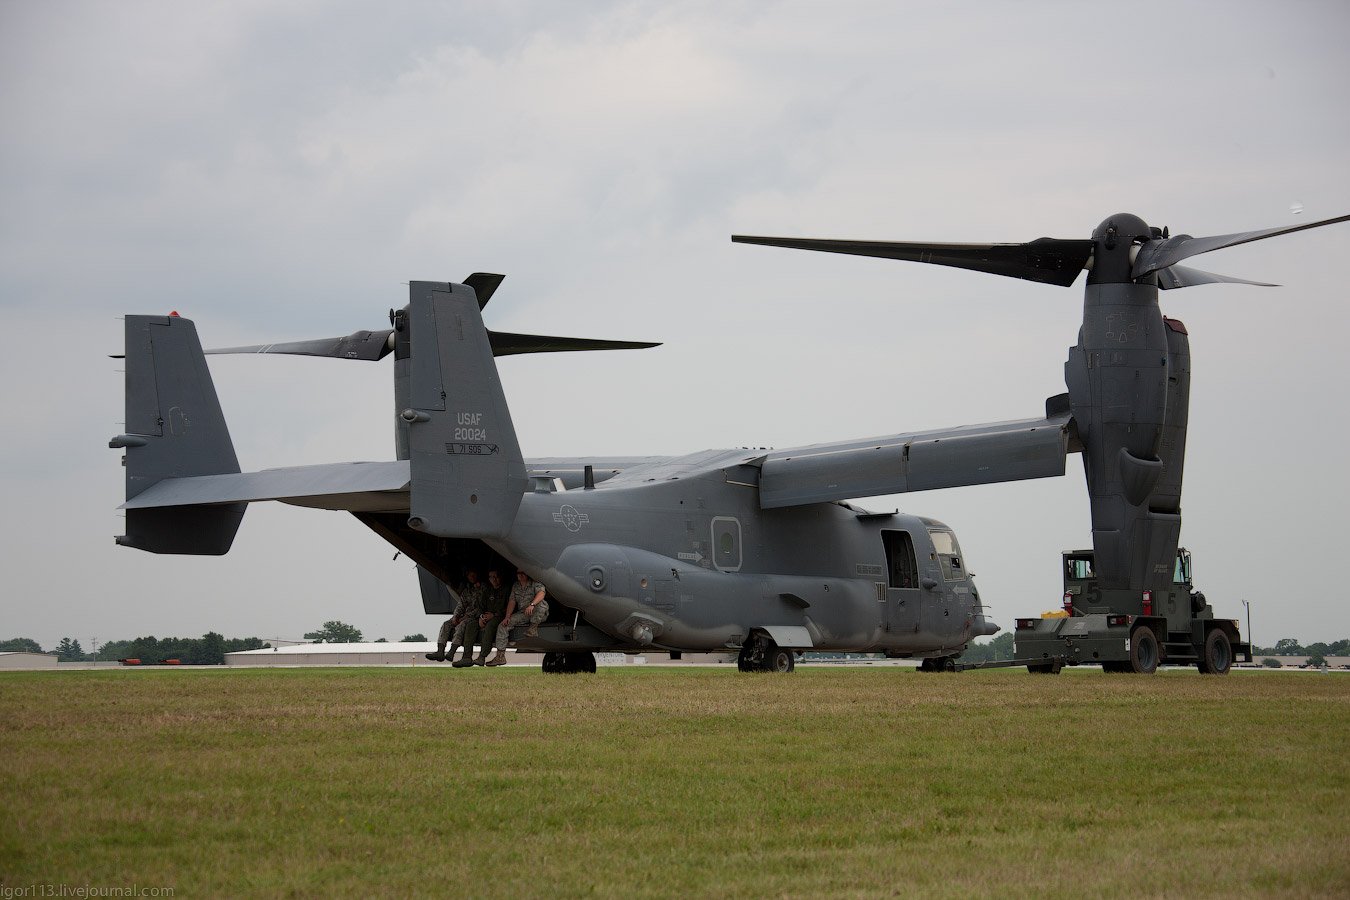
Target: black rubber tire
{"type": "Point", "coordinates": [776, 659]}
{"type": "Point", "coordinates": [1216, 657]}
{"type": "Point", "coordinates": [552, 662]}
{"type": "Point", "coordinates": [1143, 652]}
{"type": "Point", "coordinates": [581, 661]}
{"type": "Point", "coordinates": [1043, 669]}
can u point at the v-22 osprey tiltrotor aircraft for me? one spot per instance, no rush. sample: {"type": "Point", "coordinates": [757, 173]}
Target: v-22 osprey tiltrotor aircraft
{"type": "Point", "coordinates": [750, 550]}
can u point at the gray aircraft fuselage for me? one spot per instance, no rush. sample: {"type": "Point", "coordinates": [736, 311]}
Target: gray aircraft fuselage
{"type": "Point", "coordinates": [679, 555]}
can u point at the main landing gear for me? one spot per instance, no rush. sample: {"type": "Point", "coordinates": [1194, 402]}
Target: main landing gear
{"type": "Point", "coordinates": [938, 664]}
{"type": "Point", "coordinates": [569, 662]}
{"type": "Point", "coordinates": [761, 654]}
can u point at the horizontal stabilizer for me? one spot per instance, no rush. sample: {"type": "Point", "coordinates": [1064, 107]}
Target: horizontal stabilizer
{"type": "Point", "coordinates": [920, 461]}
{"type": "Point", "coordinates": [349, 486]}
{"type": "Point", "coordinates": [353, 486]}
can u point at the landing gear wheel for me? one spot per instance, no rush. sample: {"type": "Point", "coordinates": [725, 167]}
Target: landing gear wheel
{"type": "Point", "coordinates": [580, 661]}
{"type": "Point", "coordinates": [938, 664]}
{"type": "Point", "coordinates": [761, 654]}
{"type": "Point", "coordinates": [569, 662]}
{"type": "Point", "coordinates": [1050, 668]}
{"type": "Point", "coordinates": [1143, 652]}
{"type": "Point", "coordinates": [1217, 656]}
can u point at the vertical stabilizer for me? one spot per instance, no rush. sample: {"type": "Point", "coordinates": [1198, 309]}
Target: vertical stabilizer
{"type": "Point", "coordinates": [175, 429]}
{"type": "Point", "coordinates": [468, 475]}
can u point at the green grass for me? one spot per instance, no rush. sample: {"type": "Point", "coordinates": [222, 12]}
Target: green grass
{"type": "Point", "coordinates": [676, 782]}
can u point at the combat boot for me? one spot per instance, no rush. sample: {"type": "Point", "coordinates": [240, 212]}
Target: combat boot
{"type": "Point", "coordinates": [464, 661]}
{"type": "Point", "coordinates": [498, 658]}
{"type": "Point", "coordinates": [439, 655]}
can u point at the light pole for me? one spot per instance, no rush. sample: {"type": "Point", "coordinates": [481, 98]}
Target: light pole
{"type": "Point", "coordinates": [1251, 643]}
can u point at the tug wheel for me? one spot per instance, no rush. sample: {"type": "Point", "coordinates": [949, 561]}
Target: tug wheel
{"type": "Point", "coordinates": [1143, 652]}
{"type": "Point", "coordinates": [1217, 656]}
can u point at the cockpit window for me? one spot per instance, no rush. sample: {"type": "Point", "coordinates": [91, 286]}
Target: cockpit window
{"type": "Point", "coordinates": [949, 554]}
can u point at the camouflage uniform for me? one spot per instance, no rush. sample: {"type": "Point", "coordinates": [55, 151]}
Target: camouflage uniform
{"type": "Point", "coordinates": [492, 602]}
{"type": "Point", "coordinates": [470, 606]}
{"type": "Point", "coordinates": [522, 594]}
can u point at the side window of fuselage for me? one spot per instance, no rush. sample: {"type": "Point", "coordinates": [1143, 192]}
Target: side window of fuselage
{"type": "Point", "coordinates": [900, 563]}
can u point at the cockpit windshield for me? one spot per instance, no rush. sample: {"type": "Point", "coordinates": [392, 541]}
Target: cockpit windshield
{"type": "Point", "coordinates": [949, 554]}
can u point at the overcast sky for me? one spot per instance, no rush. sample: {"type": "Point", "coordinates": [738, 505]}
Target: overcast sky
{"type": "Point", "coordinates": [278, 171]}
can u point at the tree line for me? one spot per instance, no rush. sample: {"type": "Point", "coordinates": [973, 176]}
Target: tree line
{"type": "Point", "coordinates": [207, 650]}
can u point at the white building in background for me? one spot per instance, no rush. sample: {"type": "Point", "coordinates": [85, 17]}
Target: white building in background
{"type": "Point", "coordinates": [24, 659]}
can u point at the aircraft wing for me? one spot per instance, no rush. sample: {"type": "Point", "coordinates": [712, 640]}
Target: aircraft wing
{"type": "Point", "coordinates": [919, 461]}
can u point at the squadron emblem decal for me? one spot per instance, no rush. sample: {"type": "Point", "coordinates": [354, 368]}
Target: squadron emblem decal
{"type": "Point", "coordinates": [570, 517]}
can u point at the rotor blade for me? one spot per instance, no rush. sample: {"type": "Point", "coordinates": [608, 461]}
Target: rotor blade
{"type": "Point", "coordinates": [1047, 260]}
{"type": "Point", "coordinates": [1156, 255]}
{"type": "Point", "coordinates": [368, 345]}
{"type": "Point", "coordinates": [484, 284]}
{"type": "Point", "coordinates": [507, 344]}
{"type": "Point", "coordinates": [1174, 277]}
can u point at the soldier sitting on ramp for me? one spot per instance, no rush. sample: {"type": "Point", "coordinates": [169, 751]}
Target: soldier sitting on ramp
{"type": "Point", "coordinates": [470, 606]}
{"type": "Point", "coordinates": [482, 629]}
{"type": "Point", "coordinates": [527, 606]}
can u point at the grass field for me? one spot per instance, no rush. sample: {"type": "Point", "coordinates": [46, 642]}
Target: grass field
{"type": "Point", "coordinates": [675, 782]}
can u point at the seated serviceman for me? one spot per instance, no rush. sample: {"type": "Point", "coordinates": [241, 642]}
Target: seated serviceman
{"type": "Point", "coordinates": [470, 605]}
{"type": "Point", "coordinates": [483, 627]}
{"type": "Point", "coordinates": [526, 606]}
